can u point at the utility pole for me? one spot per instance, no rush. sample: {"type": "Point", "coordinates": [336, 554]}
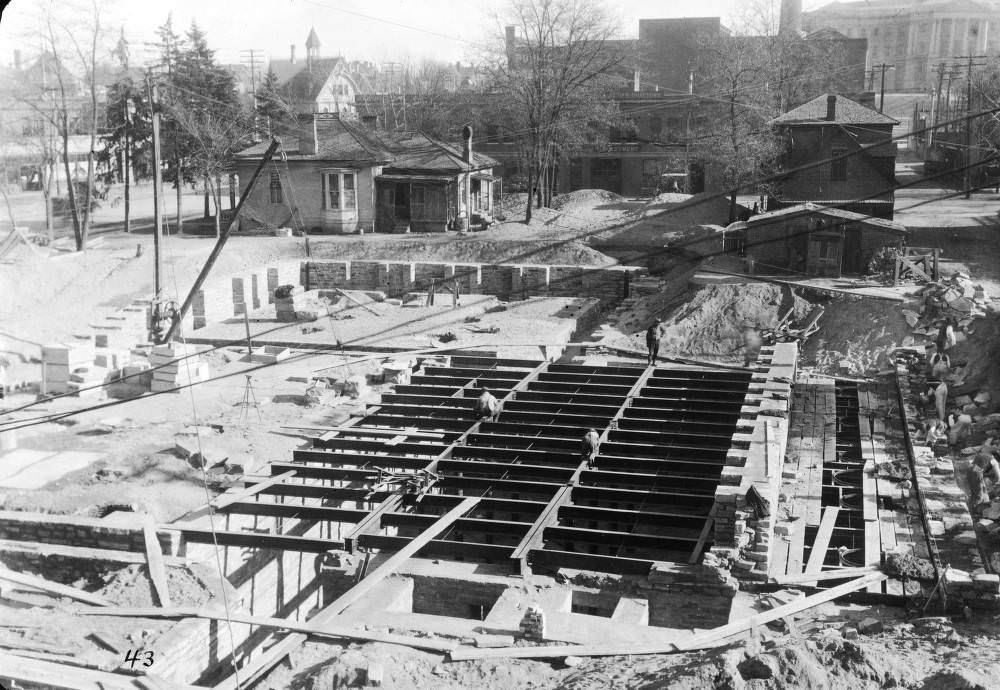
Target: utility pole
{"type": "Point", "coordinates": [157, 193]}
{"type": "Point", "coordinates": [125, 114]}
{"type": "Point", "coordinates": [871, 79]}
{"type": "Point", "coordinates": [936, 107]}
{"type": "Point", "coordinates": [883, 66]}
{"type": "Point", "coordinates": [967, 171]}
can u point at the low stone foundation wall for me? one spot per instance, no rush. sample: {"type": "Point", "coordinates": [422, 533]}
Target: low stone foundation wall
{"type": "Point", "coordinates": [514, 281]}
{"type": "Point", "coordinates": [744, 527]}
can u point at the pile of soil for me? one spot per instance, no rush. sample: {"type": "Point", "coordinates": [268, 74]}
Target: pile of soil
{"type": "Point", "coordinates": [710, 321]}
{"type": "Point", "coordinates": [132, 587]}
{"type": "Point", "coordinates": [584, 198]}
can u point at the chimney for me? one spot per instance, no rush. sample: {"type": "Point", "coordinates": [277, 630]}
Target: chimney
{"type": "Point", "coordinates": [293, 54]}
{"type": "Point", "coordinates": [17, 60]}
{"type": "Point", "coordinates": [307, 134]}
{"type": "Point", "coordinates": [831, 107]}
{"type": "Point", "coordinates": [790, 18]}
{"type": "Point", "coordinates": [467, 145]}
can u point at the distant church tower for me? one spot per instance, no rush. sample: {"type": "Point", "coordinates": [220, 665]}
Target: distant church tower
{"type": "Point", "coordinates": [312, 47]}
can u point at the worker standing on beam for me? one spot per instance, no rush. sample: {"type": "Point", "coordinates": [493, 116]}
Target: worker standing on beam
{"type": "Point", "coordinates": [487, 406]}
{"type": "Point", "coordinates": [653, 343]}
{"type": "Point", "coordinates": [751, 344]}
{"type": "Point", "coordinates": [591, 445]}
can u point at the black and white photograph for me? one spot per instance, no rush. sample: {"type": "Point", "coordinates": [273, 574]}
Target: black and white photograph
{"type": "Point", "coordinates": [500, 344]}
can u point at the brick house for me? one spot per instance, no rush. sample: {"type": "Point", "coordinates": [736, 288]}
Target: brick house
{"type": "Point", "coordinates": [334, 177]}
{"type": "Point", "coordinates": [814, 240]}
{"type": "Point", "coordinates": [840, 153]}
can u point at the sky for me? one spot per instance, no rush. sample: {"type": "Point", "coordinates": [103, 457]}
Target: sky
{"type": "Point", "coordinates": [376, 30]}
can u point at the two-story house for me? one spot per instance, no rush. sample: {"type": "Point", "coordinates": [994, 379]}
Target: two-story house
{"type": "Point", "coordinates": [841, 154]}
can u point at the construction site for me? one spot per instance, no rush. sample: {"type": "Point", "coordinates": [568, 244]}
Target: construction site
{"type": "Point", "coordinates": [289, 478]}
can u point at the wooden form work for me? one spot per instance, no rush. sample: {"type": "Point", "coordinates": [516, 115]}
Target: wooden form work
{"type": "Point", "coordinates": [706, 639]}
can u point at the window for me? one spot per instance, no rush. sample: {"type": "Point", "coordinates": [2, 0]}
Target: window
{"type": "Point", "coordinates": [838, 164]}
{"type": "Point", "coordinates": [339, 191]}
{"type": "Point", "coordinates": [276, 196]}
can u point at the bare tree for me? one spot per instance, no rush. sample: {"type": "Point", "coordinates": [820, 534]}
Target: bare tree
{"type": "Point", "coordinates": [751, 77]}
{"type": "Point", "coordinates": [65, 95]}
{"type": "Point", "coordinates": [214, 139]}
{"type": "Point", "coordinates": [564, 62]}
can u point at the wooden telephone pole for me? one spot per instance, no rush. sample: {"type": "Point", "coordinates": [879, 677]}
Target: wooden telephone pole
{"type": "Point", "coordinates": [883, 66]}
{"type": "Point", "coordinates": [154, 106]}
{"type": "Point", "coordinates": [967, 168]}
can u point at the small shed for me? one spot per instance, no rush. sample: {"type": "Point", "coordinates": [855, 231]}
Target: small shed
{"type": "Point", "coordinates": [813, 240]}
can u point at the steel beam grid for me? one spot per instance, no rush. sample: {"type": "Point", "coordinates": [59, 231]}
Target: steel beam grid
{"type": "Point", "coordinates": [668, 432]}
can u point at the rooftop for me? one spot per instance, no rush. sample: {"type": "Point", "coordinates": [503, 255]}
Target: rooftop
{"type": "Point", "coordinates": [848, 112]}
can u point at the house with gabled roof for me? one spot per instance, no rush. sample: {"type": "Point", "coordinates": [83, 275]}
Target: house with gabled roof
{"type": "Point", "coordinates": [840, 153]}
{"type": "Point", "coordinates": [332, 176]}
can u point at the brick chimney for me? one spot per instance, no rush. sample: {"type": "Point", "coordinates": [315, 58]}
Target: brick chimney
{"type": "Point", "coordinates": [293, 54]}
{"type": "Point", "coordinates": [790, 17]}
{"type": "Point", "coordinates": [467, 144]}
{"type": "Point", "coordinates": [831, 107]}
{"type": "Point", "coordinates": [307, 134]}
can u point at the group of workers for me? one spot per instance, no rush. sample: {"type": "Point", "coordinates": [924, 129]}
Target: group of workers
{"type": "Point", "coordinates": [942, 426]}
{"type": "Point", "coordinates": [488, 408]}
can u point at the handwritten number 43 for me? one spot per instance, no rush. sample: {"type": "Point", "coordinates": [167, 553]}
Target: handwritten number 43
{"type": "Point", "coordinates": [134, 656]}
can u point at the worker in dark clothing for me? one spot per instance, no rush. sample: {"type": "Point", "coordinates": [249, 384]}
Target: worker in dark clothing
{"type": "Point", "coordinates": [653, 342]}
{"type": "Point", "coordinates": [591, 442]}
{"type": "Point", "coordinates": [487, 406]}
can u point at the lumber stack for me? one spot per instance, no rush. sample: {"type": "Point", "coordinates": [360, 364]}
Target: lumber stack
{"type": "Point", "coordinates": [60, 361]}
{"type": "Point", "coordinates": [176, 365]}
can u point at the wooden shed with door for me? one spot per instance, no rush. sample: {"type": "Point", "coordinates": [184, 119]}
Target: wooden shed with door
{"type": "Point", "coordinates": [810, 239]}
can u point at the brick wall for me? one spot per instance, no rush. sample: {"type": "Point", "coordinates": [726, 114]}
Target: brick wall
{"type": "Point", "coordinates": [93, 533]}
{"type": "Point", "coordinates": [445, 597]}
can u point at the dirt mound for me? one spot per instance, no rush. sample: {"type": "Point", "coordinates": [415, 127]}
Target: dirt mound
{"type": "Point", "coordinates": [584, 198]}
{"type": "Point", "coordinates": [712, 319]}
{"type": "Point", "coordinates": [131, 586]}
{"type": "Point", "coordinates": [856, 332]}
{"type": "Point", "coordinates": [470, 249]}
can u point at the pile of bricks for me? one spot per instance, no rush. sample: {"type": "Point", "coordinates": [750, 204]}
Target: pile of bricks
{"type": "Point", "coordinates": [532, 625]}
{"type": "Point", "coordinates": [176, 365]}
{"type": "Point", "coordinates": [60, 360]}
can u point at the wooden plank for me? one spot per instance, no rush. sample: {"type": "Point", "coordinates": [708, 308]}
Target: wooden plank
{"type": "Point", "coordinates": [721, 633]}
{"type": "Point", "coordinates": [38, 548]}
{"type": "Point", "coordinates": [873, 551]}
{"type": "Point", "coordinates": [154, 560]}
{"type": "Point", "coordinates": [52, 587]}
{"type": "Point", "coordinates": [331, 612]}
{"type": "Point", "coordinates": [703, 537]}
{"type": "Point", "coordinates": [397, 559]}
{"type": "Point", "coordinates": [796, 547]}
{"type": "Point", "coordinates": [779, 556]}
{"type": "Point", "coordinates": [308, 627]}
{"type": "Point", "coordinates": [821, 577]}
{"type": "Point", "coordinates": [705, 639]}
{"type": "Point", "coordinates": [226, 499]}
{"type": "Point", "coordinates": [818, 552]}
{"type": "Point", "coordinates": [50, 674]}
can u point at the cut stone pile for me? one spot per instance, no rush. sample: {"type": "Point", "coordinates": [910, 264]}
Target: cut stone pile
{"type": "Point", "coordinates": [176, 365]}
{"type": "Point", "coordinates": [953, 298]}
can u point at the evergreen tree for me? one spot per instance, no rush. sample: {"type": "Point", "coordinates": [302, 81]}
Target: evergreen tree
{"type": "Point", "coordinates": [128, 119]}
{"type": "Point", "coordinates": [274, 112]}
{"type": "Point", "coordinates": [207, 119]}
